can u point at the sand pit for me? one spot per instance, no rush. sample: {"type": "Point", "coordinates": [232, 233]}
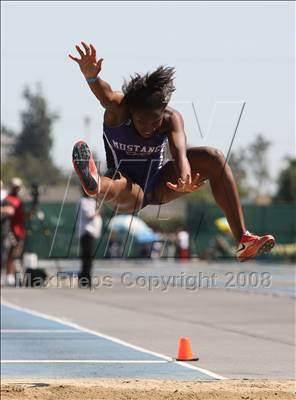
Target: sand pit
{"type": "Point", "coordinates": [149, 389]}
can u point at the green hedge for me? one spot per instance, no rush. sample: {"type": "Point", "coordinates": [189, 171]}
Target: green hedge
{"type": "Point", "coordinates": [276, 219]}
{"type": "Point", "coordinates": [55, 236]}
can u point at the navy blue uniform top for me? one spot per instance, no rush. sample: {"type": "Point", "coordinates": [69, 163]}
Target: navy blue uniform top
{"type": "Point", "coordinates": [139, 158]}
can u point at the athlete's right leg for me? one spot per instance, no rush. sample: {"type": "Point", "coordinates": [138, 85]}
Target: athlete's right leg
{"type": "Point", "coordinates": [118, 191]}
{"type": "Point", "coordinates": [121, 193]}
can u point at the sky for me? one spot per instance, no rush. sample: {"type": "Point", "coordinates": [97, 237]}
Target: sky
{"type": "Point", "coordinates": [225, 54]}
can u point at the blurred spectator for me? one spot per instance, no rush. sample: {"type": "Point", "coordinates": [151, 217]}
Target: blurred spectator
{"type": "Point", "coordinates": [89, 227]}
{"type": "Point", "coordinates": [159, 247]}
{"type": "Point", "coordinates": [171, 247]}
{"type": "Point", "coordinates": [7, 212]}
{"type": "Point", "coordinates": [183, 244]}
{"type": "Point", "coordinates": [17, 226]}
{"type": "Point", "coordinates": [156, 249]}
{"type": "Point", "coordinates": [114, 246]}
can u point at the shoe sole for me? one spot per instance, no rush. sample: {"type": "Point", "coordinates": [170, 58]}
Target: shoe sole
{"type": "Point", "coordinates": [265, 248]}
{"type": "Point", "coordinates": [80, 157]}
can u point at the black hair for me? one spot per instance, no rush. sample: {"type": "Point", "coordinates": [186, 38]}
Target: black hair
{"type": "Point", "coordinates": [150, 91]}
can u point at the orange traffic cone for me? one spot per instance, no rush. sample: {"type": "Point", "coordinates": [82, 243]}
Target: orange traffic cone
{"type": "Point", "coordinates": [185, 351]}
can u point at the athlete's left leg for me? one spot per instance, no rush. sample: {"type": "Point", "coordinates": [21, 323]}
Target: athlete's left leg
{"type": "Point", "coordinates": [211, 164]}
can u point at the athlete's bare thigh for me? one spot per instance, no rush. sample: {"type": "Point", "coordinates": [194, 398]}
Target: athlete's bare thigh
{"type": "Point", "coordinates": [128, 196]}
{"type": "Point", "coordinates": [161, 193]}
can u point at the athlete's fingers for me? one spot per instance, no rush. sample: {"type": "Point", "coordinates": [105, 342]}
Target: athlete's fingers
{"type": "Point", "coordinates": [86, 48]}
{"type": "Point", "coordinates": [79, 51]}
{"type": "Point", "coordinates": [74, 58]}
{"type": "Point", "coordinates": [192, 188]}
{"type": "Point", "coordinates": [196, 178]}
{"type": "Point", "coordinates": [198, 185]}
{"type": "Point", "coordinates": [99, 63]}
{"type": "Point", "coordinates": [93, 51]}
{"type": "Point", "coordinates": [188, 179]}
{"type": "Point", "coordinates": [172, 186]}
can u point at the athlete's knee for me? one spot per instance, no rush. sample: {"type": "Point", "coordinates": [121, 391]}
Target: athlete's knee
{"type": "Point", "coordinates": [131, 207]}
{"type": "Point", "coordinates": [207, 156]}
{"type": "Point", "coordinates": [217, 156]}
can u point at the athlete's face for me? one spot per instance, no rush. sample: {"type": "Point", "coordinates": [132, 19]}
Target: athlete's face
{"type": "Point", "coordinates": [147, 122]}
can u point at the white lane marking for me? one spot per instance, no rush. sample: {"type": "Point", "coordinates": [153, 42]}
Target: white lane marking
{"type": "Point", "coordinates": [84, 361]}
{"type": "Point", "coordinates": [39, 331]}
{"type": "Point", "coordinates": [111, 338]}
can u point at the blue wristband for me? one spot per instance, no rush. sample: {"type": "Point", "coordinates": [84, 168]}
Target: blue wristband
{"type": "Point", "coordinates": [92, 80]}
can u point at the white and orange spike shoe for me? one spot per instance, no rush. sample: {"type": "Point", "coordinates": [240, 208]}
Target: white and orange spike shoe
{"type": "Point", "coordinates": [251, 246]}
{"type": "Point", "coordinates": [85, 168]}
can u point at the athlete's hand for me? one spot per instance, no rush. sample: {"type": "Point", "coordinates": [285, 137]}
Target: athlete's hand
{"type": "Point", "coordinates": [88, 63]}
{"type": "Point", "coordinates": [187, 186]}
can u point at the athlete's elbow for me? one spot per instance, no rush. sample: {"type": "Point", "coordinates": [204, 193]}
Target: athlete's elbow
{"type": "Point", "coordinates": [107, 104]}
{"type": "Point", "coordinates": [111, 101]}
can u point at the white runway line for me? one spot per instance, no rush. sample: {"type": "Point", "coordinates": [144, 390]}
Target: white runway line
{"type": "Point", "coordinates": [84, 361]}
{"type": "Point", "coordinates": [111, 338]}
{"type": "Point", "coordinates": [40, 331]}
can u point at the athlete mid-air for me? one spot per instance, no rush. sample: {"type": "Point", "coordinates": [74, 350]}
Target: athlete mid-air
{"type": "Point", "coordinates": [138, 124]}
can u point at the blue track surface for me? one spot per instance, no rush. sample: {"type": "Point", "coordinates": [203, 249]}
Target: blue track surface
{"type": "Point", "coordinates": [37, 347]}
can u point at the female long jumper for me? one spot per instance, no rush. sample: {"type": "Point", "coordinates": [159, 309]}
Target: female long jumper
{"type": "Point", "coordinates": [138, 124]}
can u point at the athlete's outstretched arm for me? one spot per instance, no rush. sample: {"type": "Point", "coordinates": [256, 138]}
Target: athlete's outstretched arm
{"type": "Point", "coordinates": [177, 142]}
{"type": "Point", "coordinates": [90, 66]}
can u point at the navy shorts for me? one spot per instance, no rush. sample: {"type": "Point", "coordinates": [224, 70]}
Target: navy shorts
{"type": "Point", "coordinates": [148, 182]}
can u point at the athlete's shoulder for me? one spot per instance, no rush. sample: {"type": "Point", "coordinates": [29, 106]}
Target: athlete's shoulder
{"type": "Point", "coordinates": [173, 119]}
{"type": "Point", "coordinates": [172, 112]}
{"type": "Point", "coordinates": [117, 115]}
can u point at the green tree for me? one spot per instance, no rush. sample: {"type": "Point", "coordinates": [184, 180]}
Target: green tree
{"type": "Point", "coordinates": [286, 182]}
{"type": "Point", "coordinates": [258, 164]}
{"type": "Point", "coordinates": [10, 169]}
{"type": "Point", "coordinates": [238, 162]}
{"type": "Point", "coordinates": [7, 131]}
{"type": "Point", "coordinates": [30, 169]}
{"type": "Point", "coordinates": [31, 155]}
{"type": "Point", "coordinates": [35, 137]}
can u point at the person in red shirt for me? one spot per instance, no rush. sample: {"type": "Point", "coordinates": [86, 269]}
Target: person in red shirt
{"type": "Point", "coordinates": [17, 222]}
{"type": "Point", "coordinates": [7, 212]}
